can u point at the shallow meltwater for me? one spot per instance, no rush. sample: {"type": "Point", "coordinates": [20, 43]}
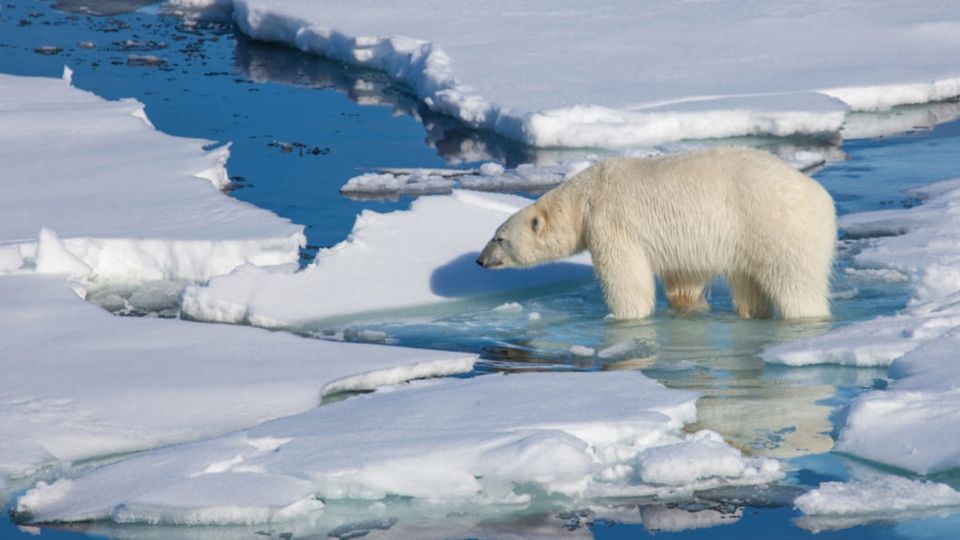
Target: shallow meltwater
{"type": "Point", "coordinates": [276, 106]}
{"type": "Point", "coordinates": [760, 408]}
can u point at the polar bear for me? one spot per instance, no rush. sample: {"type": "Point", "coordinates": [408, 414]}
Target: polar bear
{"type": "Point", "coordinates": [767, 228]}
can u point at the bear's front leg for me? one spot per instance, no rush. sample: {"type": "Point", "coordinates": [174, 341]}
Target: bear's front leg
{"type": "Point", "coordinates": [627, 280]}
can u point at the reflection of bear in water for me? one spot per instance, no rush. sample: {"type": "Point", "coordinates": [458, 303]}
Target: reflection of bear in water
{"type": "Point", "coordinates": [769, 229]}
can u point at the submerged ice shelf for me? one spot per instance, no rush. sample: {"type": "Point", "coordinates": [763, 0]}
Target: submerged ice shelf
{"type": "Point", "coordinates": [583, 75]}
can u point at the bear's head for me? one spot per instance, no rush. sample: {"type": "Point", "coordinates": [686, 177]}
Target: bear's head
{"type": "Point", "coordinates": [531, 236]}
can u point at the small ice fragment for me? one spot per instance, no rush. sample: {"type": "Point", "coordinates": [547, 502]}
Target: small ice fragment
{"type": "Point", "coordinates": [878, 495]}
{"type": "Point", "coordinates": [491, 169]}
{"type": "Point", "coordinates": [534, 316]}
{"type": "Point", "coordinates": [622, 348]}
{"type": "Point", "coordinates": [704, 455]}
{"type": "Point", "coordinates": [580, 350]}
{"type": "Point", "coordinates": [509, 307]}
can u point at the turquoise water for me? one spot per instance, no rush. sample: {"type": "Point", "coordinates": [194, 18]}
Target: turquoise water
{"type": "Point", "coordinates": [214, 84]}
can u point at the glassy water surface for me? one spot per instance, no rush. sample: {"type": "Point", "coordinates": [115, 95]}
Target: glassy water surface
{"type": "Point", "coordinates": [300, 126]}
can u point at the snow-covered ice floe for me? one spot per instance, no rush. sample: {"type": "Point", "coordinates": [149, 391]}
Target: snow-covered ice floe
{"type": "Point", "coordinates": [617, 74]}
{"type": "Point", "coordinates": [912, 424]}
{"type": "Point", "coordinates": [130, 203]}
{"type": "Point", "coordinates": [448, 444]}
{"type": "Point", "coordinates": [93, 191]}
{"type": "Point", "coordinates": [81, 383]}
{"type": "Point", "coordinates": [431, 249]}
{"type": "Point", "coordinates": [840, 505]}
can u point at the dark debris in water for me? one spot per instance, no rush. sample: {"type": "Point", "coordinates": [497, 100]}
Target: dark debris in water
{"type": "Point", "coordinates": [135, 60]}
{"type": "Point", "coordinates": [301, 148]}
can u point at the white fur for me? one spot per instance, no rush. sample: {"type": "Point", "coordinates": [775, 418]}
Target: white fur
{"type": "Point", "coordinates": [745, 214]}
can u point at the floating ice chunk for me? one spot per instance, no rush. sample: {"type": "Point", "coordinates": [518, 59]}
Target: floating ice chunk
{"type": "Point", "coordinates": [509, 307]}
{"type": "Point", "coordinates": [580, 350]}
{"type": "Point", "coordinates": [704, 455]}
{"type": "Point", "coordinates": [526, 177]}
{"type": "Point", "coordinates": [113, 228]}
{"type": "Point", "coordinates": [878, 497]}
{"type": "Point", "coordinates": [911, 425]}
{"type": "Point", "coordinates": [431, 248]}
{"type": "Point", "coordinates": [81, 383]}
{"type": "Point", "coordinates": [626, 347]}
{"type": "Point", "coordinates": [414, 183]}
{"type": "Point", "coordinates": [634, 87]}
{"type": "Point", "coordinates": [873, 343]}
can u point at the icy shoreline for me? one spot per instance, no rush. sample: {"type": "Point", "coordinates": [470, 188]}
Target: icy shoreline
{"type": "Point", "coordinates": [583, 76]}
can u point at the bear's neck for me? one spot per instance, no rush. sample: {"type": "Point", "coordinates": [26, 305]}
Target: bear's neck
{"type": "Point", "coordinates": [565, 205]}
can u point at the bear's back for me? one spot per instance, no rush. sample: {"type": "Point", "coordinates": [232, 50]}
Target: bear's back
{"type": "Point", "coordinates": [707, 205]}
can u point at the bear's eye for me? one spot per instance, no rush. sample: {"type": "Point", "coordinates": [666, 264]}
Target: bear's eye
{"type": "Point", "coordinates": [498, 239]}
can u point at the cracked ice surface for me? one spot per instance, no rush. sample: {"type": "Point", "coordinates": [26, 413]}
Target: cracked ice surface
{"type": "Point", "coordinates": [128, 204]}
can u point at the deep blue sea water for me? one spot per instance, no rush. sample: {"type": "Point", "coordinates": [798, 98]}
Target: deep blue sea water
{"type": "Point", "coordinates": [208, 82]}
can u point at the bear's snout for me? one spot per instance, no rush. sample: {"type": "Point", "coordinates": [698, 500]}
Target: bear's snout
{"type": "Point", "coordinates": [487, 258]}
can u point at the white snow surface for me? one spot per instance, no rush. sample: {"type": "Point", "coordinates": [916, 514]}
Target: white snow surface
{"type": "Point", "coordinates": [618, 74]}
{"type": "Point", "coordinates": [912, 424]}
{"type": "Point", "coordinates": [90, 189]}
{"type": "Point", "coordinates": [877, 496]}
{"type": "Point", "coordinates": [430, 249]}
{"type": "Point", "coordinates": [448, 441]}
{"type": "Point", "coordinates": [81, 383]}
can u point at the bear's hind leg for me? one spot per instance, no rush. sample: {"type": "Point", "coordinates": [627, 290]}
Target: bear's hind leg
{"type": "Point", "coordinates": [749, 300]}
{"type": "Point", "coordinates": [685, 291]}
{"type": "Point", "coordinates": [808, 299]}
{"type": "Point", "coordinates": [627, 281]}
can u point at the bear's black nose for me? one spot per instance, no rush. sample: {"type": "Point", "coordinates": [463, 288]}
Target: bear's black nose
{"type": "Point", "coordinates": [480, 261]}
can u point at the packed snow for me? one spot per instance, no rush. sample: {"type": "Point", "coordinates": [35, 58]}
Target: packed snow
{"type": "Point", "coordinates": [910, 425]}
{"type": "Point", "coordinates": [93, 191]}
{"type": "Point", "coordinates": [431, 249]}
{"type": "Point", "coordinates": [585, 75]}
{"type": "Point", "coordinates": [448, 442]}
